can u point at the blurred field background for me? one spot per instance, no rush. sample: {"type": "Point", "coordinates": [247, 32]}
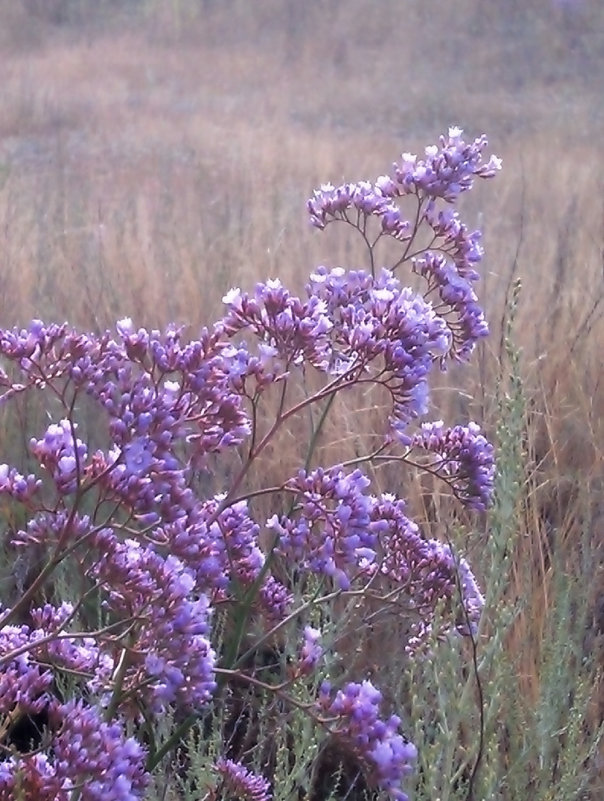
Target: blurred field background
{"type": "Point", "coordinates": [155, 154]}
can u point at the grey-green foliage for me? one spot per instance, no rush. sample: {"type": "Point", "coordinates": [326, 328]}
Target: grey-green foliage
{"type": "Point", "coordinates": [542, 749]}
{"type": "Point", "coordinates": [268, 737]}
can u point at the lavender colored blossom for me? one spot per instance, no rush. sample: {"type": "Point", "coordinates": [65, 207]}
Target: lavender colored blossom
{"type": "Point", "coordinates": [29, 654]}
{"type": "Point", "coordinates": [449, 261]}
{"type": "Point", "coordinates": [352, 715]}
{"type": "Point", "coordinates": [19, 487]}
{"type": "Point", "coordinates": [460, 307]}
{"type": "Point", "coordinates": [85, 656]}
{"type": "Point", "coordinates": [463, 457]}
{"type": "Point", "coordinates": [225, 552]}
{"type": "Point", "coordinates": [328, 531]}
{"type": "Point", "coordinates": [446, 171]}
{"type": "Point", "coordinates": [241, 783]}
{"type": "Point", "coordinates": [96, 756]}
{"type": "Point", "coordinates": [53, 529]}
{"type": "Point", "coordinates": [385, 331]}
{"type": "Point", "coordinates": [31, 777]}
{"type": "Point", "coordinates": [296, 330]}
{"type": "Point", "coordinates": [426, 569]}
{"type": "Point", "coordinates": [173, 661]}
{"type": "Point", "coordinates": [349, 201]}
{"type": "Point", "coordinates": [310, 653]}
{"type": "Point", "coordinates": [23, 681]}
{"type": "Point", "coordinates": [62, 454]}
{"type": "Point", "coordinates": [130, 517]}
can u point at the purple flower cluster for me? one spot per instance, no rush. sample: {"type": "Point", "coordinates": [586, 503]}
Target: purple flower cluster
{"type": "Point", "coordinates": [221, 548]}
{"type": "Point", "coordinates": [310, 653]}
{"type": "Point", "coordinates": [328, 530]}
{"type": "Point", "coordinates": [81, 655]}
{"type": "Point", "coordinates": [354, 327]}
{"type": "Point", "coordinates": [23, 681]}
{"type": "Point", "coordinates": [427, 570]}
{"type": "Point", "coordinates": [463, 457]}
{"type": "Point", "coordinates": [20, 488]}
{"type": "Point", "coordinates": [29, 654]}
{"type": "Point", "coordinates": [448, 253]}
{"type": "Point", "coordinates": [364, 199]}
{"type": "Point", "coordinates": [62, 454]}
{"type": "Point", "coordinates": [466, 320]}
{"type": "Point", "coordinates": [352, 715]}
{"type": "Point", "coordinates": [295, 331]}
{"type": "Point", "coordinates": [446, 171]}
{"type": "Point", "coordinates": [237, 781]}
{"type": "Point", "coordinates": [388, 329]}
{"type": "Point", "coordinates": [90, 757]}
{"type": "Point", "coordinates": [171, 659]}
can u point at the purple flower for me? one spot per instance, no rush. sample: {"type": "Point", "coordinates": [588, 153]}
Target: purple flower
{"type": "Point", "coordinates": [241, 783]}
{"type": "Point", "coordinates": [330, 203]}
{"type": "Point", "coordinates": [138, 456]}
{"type": "Point", "coordinates": [173, 661]}
{"type": "Point", "coordinates": [53, 528]}
{"type": "Point", "coordinates": [161, 546]}
{"type": "Point", "coordinates": [446, 171]}
{"type": "Point", "coordinates": [463, 457]}
{"type": "Point", "coordinates": [295, 330]}
{"type": "Point", "coordinates": [23, 681]}
{"type": "Point", "coordinates": [26, 676]}
{"type": "Point", "coordinates": [62, 455]}
{"type": "Point", "coordinates": [31, 777]}
{"type": "Point", "coordinates": [352, 715]}
{"type": "Point", "coordinates": [311, 652]}
{"type": "Point", "coordinates": [328, 531]}
{"type": "Point", "coordinates": [426, 570]}
{"type": "Point", "coordinates": [97, 756]}
{"type": "Point", "coordinates": [19, 487]}
{"type": "Point", "coordinates": [84, 655]}
{"type": "Point", "coordinates": [382, 331]}
{"type": "Point", "coordinates": [449, 260]}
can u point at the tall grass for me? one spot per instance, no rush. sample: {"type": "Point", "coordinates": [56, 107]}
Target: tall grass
{"type": "Point", "coordinates": [154, 154]}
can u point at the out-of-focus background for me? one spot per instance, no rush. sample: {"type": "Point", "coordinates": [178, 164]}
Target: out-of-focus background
{"type": "Point", "coordinates": [155, 153]}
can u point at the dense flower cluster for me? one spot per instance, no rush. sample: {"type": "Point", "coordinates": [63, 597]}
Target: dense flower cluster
{"type": "Point", "coordinates": [118, 501]}
{"type": "Point", "coordinates": [23, 682]}
{"type": "Point", "coordinates": [171, 659]}
{"type": "Point", "coordinates": [19, 487]}
{"type": "Point", "coordinates": [427, 569]}
{"type": "Point", "coordinates": [296, 331]}
{"type": "Point", "coordinates": [361, 329]}
{"type": "Point", "coordinates": [353, 716]}
{"type": "Point", "coordinates": [328, 532]}
{"type": "Point", "coordinates": [463, 457]}
{"type": "Point", "coordinates": [62, 454]}
{"type": "Point", "coordinates": [28, 655]}
{"type": "Point", "coordinates": [94, 758]}
{"type": "Point", "coordinates": [239, 782]}
{"type": "Point", "coordinates": [449, 259]}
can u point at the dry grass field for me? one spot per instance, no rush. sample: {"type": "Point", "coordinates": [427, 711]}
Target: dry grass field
{"type": "Point", "coordinates": [155, 154]}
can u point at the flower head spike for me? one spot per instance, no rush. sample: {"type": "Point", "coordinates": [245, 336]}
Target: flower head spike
{"type": "Point", "coordinates": [238, 782]}
{"type": "Point", "coordinates": [354, 720]}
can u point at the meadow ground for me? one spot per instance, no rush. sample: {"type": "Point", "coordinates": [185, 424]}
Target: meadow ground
{"type": "Point", "coordinates": [155, 154]}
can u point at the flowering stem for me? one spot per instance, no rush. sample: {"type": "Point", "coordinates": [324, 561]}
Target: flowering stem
{"type": "Point", "coordinates": [317, 430]}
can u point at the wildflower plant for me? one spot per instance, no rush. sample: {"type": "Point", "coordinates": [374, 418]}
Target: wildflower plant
{"type": "Point", "coordinates": [175, 593]}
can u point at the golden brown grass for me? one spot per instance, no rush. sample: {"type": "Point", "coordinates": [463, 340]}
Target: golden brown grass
{"type": "Point", "coordinates": [150, 162]}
